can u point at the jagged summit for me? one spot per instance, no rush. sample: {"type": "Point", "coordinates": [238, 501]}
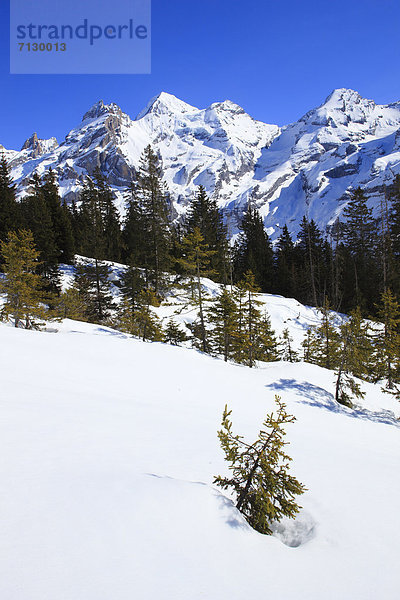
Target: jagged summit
{"type": "Point", "coordinates": [308, 167]}
{"type": "Point", "coordinates": [99, 108]}
{"type": "Point", "coordinates": [37, 147]}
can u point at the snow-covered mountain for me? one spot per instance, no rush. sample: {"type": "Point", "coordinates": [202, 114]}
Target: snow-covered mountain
{"type": "Point", "coordinates": [307, 167]}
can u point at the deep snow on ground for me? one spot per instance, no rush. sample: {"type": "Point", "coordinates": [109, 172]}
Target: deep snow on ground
{"type": "Point", "coordinates": [108, 452]}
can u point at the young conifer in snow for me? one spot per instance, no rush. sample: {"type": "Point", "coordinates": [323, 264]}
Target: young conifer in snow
{"type": "Point", "coordinates": [288, 352]}
{"type": "Point", "coordinates": [222, 316]}
{"type": "Point", "coordinates": [264, 490]}
{"type": "Point", "coordinates": [173, 334]}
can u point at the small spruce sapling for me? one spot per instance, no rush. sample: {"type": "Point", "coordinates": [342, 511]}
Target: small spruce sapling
{"type": "Point", "coordinates": [265, 491]}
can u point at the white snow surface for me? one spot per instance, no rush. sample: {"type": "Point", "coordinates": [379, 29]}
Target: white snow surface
{"type": "Point", "coordinates": [306, 168]}
{"type": "Point", "coordinates": [108, 453]}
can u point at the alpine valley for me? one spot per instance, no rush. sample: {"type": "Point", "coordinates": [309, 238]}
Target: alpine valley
{"type": "Point", "coordinates": [306, 168]}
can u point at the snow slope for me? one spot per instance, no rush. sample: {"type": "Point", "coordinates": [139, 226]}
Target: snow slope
{"type": "Point", "coordinates": [108, 452]}
{"type": "Point", "coordinates": [308, 167]}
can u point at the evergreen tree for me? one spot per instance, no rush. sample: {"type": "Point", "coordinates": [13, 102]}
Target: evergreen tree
{"type": "Point", "coordinates": [222, 316]}
{"type": "Point", "coordinates": [285, 265]}
{"type": "Point", "coordinates": [204, 214]}
{"type": "Point", "coordinates": [60, 218]}
{"type": "Point", "coordinates": [253, 251]}
{"type": "Point", "coordinates": [71, 305]}
{"type": "Point", "coordinates": [9, 213]}
{"type": "Point", "coordinates": [173, 334]}
{"type": "Point", "coordinates": [21, 284]}
{"type": "Point", "coordinates": [141, 322]}
{"type": "Point", "coordinates": [195, 264]}
{"type": "Point", "coordinates": [94, 288]}
{"type": "Point", "coordinates": [311, 258]}
{"type": "Point", "coordinates": [255, 339]}
{"type": "Point", "coordinates": [324, 340]}
{"type": "Point", "coordinates": [288, 352]}
{"type": "Point", "coordinates": [387, 343]}
{"type": "Point", "coordinates": [109, 216]}
{"type": "Point", "coordinates": [133, 285]}
{"type": "Point", "coordinates": [360, 238]}
{"type": "Point", "coordinates": [37, 218]}
{"type": "Point", "coordinates": [154, 203]}
{"type": "Point", "coordinates": [134, 234]}
{"type": "Point", "coordinates": [265, 491]}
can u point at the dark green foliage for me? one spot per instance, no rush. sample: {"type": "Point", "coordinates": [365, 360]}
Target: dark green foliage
{"type": "Point", "coordinates": [147, 228]}
{"type": "Point", "coordinates": [223, 319]}
{"type": "Point", "coordinates": [286, 272]}
{"type": "Point", "coordinates": [97, 221]}
{"type": "Point", "coordinates": [204, 214]}
{"type": "Point", "coordinates": [253, 251]}
{"type": "Point", "coordinates": [9, 209]}
{"type": "Point", "coordinates": [360, 240]}
{"type": "Point", "coordinates": [94, 288]}
{"type": "Point", "coordinates": [173, 334]}
{"type": "Point", "coordinates": [264, 490]}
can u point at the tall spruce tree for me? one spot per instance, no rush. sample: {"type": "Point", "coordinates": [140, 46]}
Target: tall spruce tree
{"type": "Point", "coordinates": [360, 239]}
{"type": "Point", "coordinates": [9, 209]}
{"type": "Point", "coordinates": [253, 251]}
{"type": "Point", "coordinates": [324, 340]}
{"type": "Point", "coordinates": [92, 282]}
{"type": "Point", "coordinates": [204, 214]}
{"type": "Point", "coordinates": [195, 262]}
{"type": "Point", "coordinates": [154, 204]}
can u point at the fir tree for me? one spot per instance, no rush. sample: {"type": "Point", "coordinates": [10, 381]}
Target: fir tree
{"type": "Point", "coordinates": [154, 204]}
{"type": "Point", "coordinates": [204, 214]}
{"type": "Point", "coordinates": [265, 491]}
{"type": "Point", "coordinates": [9, 210]}
{"type": "Point", "coordinates": [94, 288]}
{"type": "Point", "coordinates": [222, 316]}
{"type": "Point", "coordinates": [285, 265]}
{"type": "Point", "coordinates": [173, 334]}
{"type": "Point", "coordinates": [195, 264]}
{"type": "Point", "coordinates": [141, 322]}
{"type": "Point", "coordinates": [21, 285]}
{"type": "Point", "coordinates": [360, 238]}
{"type": "Point", "coordinates": [387, 343]}
{"type": "Point", "coordinates": [288, 352]}
{"type": "Point", "coordinates": [37, 217]}
{"type": "Point", "coordinates": [253, 251]}
{"type": "Point", "coordinates": [324, 340]}
{"type": "Point", "coordinates": [255, 340]}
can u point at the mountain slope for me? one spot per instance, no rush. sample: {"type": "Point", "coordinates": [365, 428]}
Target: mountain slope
{"type": "Point", "coordinates": [307, 167]}
{"type": "Point", "coordinates": [109, 450]}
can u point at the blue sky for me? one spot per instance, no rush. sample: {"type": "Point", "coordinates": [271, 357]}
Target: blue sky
{"type": "Point", "coordinates": [277, 59]}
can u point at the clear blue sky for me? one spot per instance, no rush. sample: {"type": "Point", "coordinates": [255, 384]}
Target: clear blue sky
{"type": "Point", "coordinates": [277, 59]}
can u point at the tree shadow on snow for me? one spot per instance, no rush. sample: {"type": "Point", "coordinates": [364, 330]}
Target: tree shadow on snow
{"type": "Point", "coordinates": [313, 395]}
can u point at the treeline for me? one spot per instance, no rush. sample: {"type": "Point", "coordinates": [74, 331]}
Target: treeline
{"type": "Point", "coordinates": [351, 265]}
{"type": "Point", "coordinates": [355, 269]}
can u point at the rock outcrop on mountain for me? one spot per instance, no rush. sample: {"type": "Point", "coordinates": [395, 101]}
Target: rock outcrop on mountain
{"type": "Point", "coordinates": [308, 167]}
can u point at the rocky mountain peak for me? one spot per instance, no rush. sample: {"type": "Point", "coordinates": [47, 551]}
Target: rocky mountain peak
{"type": "Point", "coordinates": [37, 147]}
{"type": "Point", "coordinates": [99, 109]}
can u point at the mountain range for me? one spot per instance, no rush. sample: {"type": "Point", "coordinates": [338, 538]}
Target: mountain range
{"type": "Point", "coordinates": [306, 168]}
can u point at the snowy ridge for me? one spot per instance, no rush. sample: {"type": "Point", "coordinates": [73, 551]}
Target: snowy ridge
{"type": "Point", "coordinates": [308, 167]}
